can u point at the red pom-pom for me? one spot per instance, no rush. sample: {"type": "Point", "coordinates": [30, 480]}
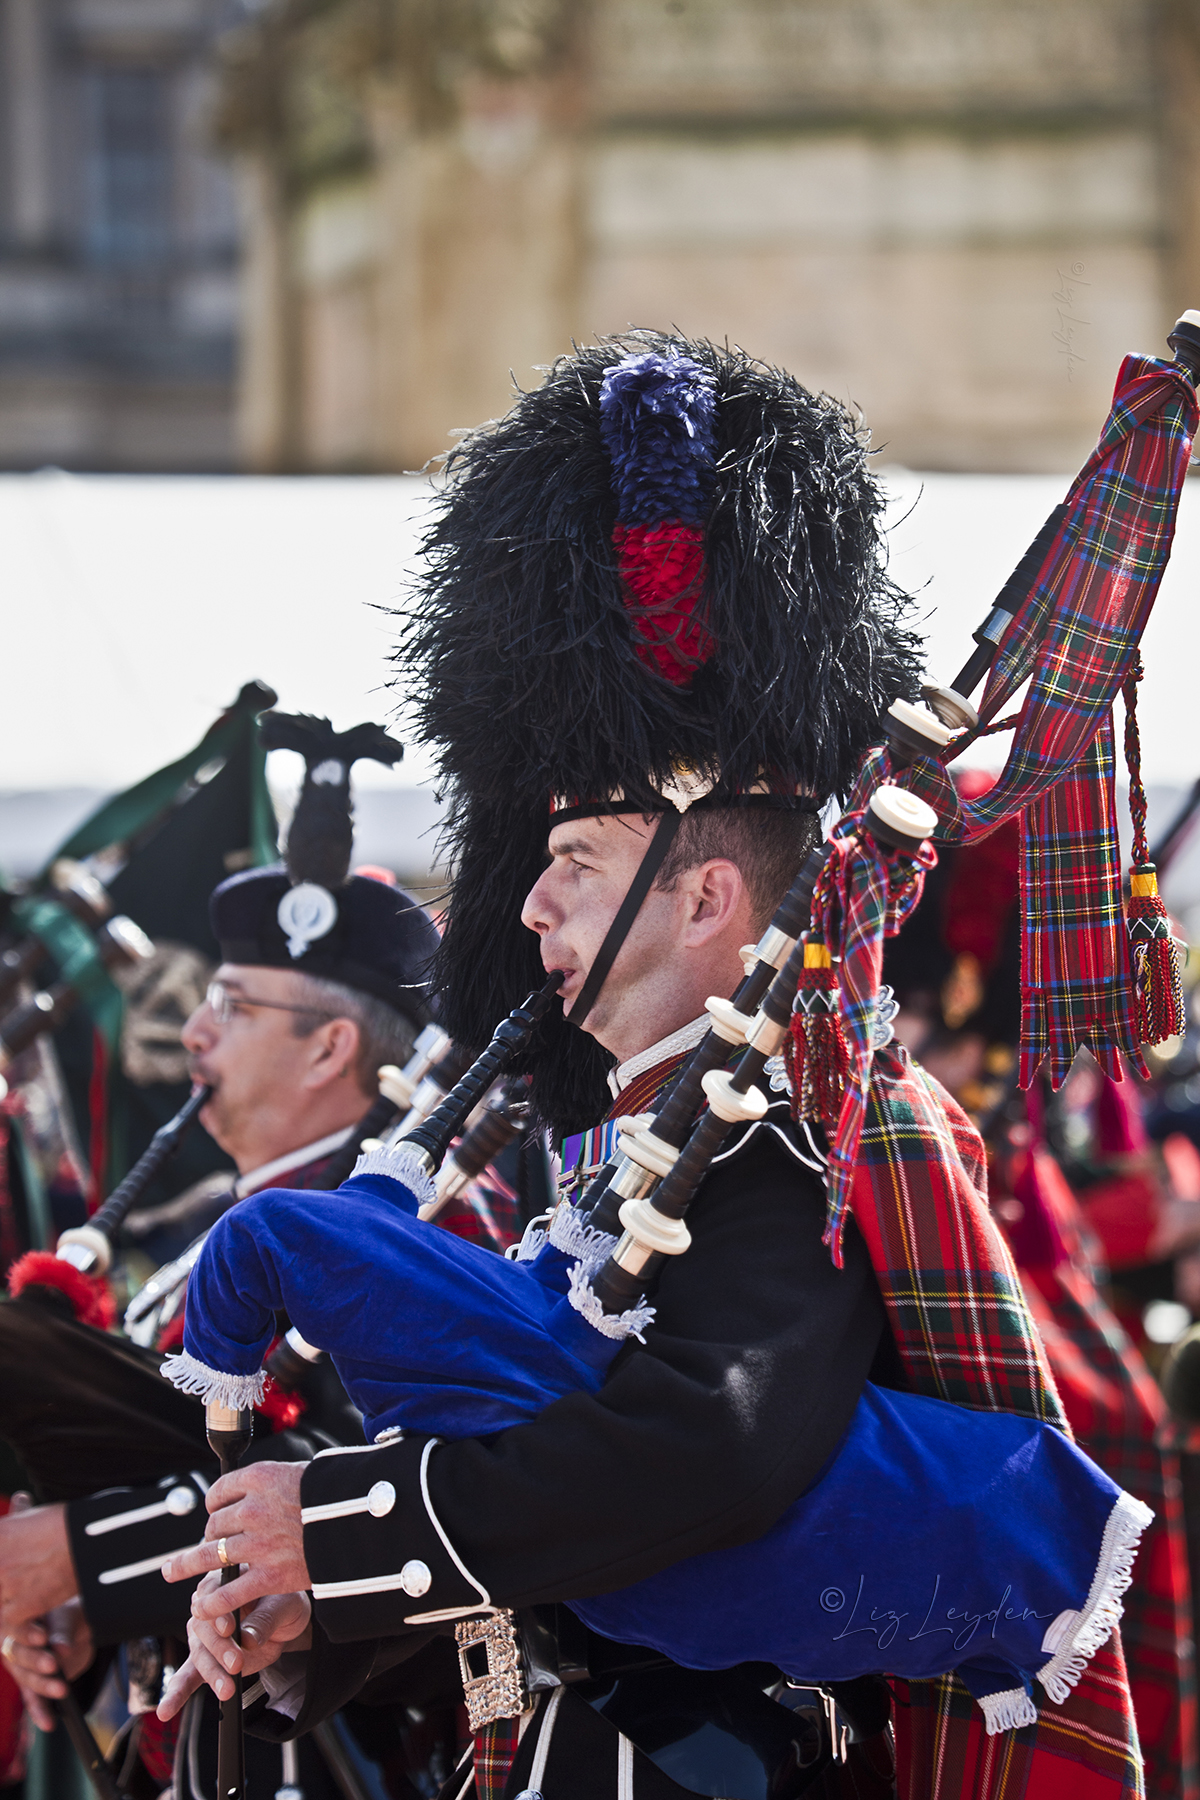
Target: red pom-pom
{"type": "Point", "coordinates": [282, 1408]}
{"type": "Point", "coordinates": [662, 567]}
{"type": "Point", "coordinates": [90, 1299]}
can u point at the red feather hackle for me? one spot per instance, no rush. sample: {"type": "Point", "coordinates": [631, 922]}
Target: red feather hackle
{"type": "Point", "coordinates": [662, 570]}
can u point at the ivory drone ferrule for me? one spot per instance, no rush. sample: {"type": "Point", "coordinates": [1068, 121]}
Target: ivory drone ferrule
{"type": "Point", "coordinates": [653, 1153]}
{"type": "Point", "coordinates": [85, 1249]}
{"type": "Point", "coordinates": [726, 1020]}
{"type": "Point", "coordinates": [730, 1105]}
{"type": "Point", "coordinates": [653, 1230]}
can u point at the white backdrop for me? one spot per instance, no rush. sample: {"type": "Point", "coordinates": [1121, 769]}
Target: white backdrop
{"type": "Point", "coordinates": [134, 608]}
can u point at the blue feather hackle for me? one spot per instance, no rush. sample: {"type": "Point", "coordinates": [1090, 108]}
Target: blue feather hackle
{"type": "Point", "coordinates": [656, 420]}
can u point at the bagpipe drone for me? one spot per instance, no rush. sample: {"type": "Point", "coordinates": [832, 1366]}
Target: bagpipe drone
{"type": "Point", "coordinates": [954, 1497]}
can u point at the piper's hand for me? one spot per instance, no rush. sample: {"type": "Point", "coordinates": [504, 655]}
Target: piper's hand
{"type": "Point", "coordinates": [41, 1652]}
{"type": "Point", "coordinates": [36, 1571]}
{"type": "Point", "coordinates": [278, 1623]}
{"type": "Point", "coordinates": [256, 1511]}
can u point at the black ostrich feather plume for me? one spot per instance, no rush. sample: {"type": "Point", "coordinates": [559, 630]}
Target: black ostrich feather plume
{"type": "Point", "coordinates": [321, 835]}
{"type": "Point", "coordinates": [521, 667]}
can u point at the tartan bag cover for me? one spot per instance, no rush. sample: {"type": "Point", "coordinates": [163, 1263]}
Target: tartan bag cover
{"type": "Point", "coordinates": [1077, 637]}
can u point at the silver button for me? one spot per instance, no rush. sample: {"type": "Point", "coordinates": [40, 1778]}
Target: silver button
{"type": "Point", "coordinates": [181, 1501]}
{"type": "Point", "coordinates": [381, 1499]}
{"type": "Point", "coordinates": [415, 1578]}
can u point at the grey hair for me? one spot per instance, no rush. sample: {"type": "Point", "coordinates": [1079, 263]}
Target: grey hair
{"type": "Point", "coordinates": [384, 1035]}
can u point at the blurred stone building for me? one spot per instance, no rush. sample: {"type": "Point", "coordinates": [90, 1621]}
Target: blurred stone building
{"type": "Point", "coordinates": [955, 213]}
{"type": "Point", "coordinates": [118, 284]}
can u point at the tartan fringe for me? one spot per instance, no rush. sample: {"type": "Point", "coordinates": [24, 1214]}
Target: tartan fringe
{"type": "Point", "coordinates": [816, 1054]}
{"type": "Point", "coordinates": [1158, 991]}
{"type": "Point", "coordinates": [1007, 1711]}
{"type": "Point", "coordinates": [240, 1393]}
{"type": "Point", "coordinates": [1102, 1614]}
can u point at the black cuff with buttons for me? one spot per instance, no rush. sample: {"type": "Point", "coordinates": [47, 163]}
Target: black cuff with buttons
{"type": "Point", "coordinates": [120, 1540]}
{"type": "Point", "coordinates": [379, 1561]}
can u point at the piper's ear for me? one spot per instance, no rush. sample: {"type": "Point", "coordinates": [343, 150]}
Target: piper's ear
{"type": "Point", "coordinates": [717, 896]}
{"type": "Point", "coordinates": [333, 1054]}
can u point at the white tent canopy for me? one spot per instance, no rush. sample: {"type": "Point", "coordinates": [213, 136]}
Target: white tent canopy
{"type": "Point", "coordinates": [135, 607]}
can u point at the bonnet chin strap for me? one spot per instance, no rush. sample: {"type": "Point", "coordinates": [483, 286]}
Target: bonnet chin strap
{"type": "Point", "coordinates": [627, 912]}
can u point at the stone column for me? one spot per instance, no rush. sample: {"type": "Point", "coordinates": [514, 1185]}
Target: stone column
{"type": "Point", "coordinates": [479, 271]}
{"type": "Point", "coordinates": [26, 108]}
{"type": "Point", "coordinates": [1180, 65]}
{"type": "Point", "coordinates": [269, 399]}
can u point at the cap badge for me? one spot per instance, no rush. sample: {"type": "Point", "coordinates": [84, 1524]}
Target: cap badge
{"type": "Point", "coordinates": [686, 786]}
{"type": "Point", "coordinates": [305, 913]}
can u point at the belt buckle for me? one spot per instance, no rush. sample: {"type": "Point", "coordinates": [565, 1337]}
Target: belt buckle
{"type": "Point", "coordinates": [490, 1663]}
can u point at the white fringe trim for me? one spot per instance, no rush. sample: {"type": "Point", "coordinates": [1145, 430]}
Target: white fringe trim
{"type": "Point", "coordinates": [1102, 1613]}
{"type": "Point", "coordinates": [1008, 1711]}
{"type": "Point", "coordinates": [609, 1325]}
{"type": "Point", "coordinates": [572, 1234]}
{"type": "Point", "coordinates": [399, 1163]}
{"type": "Point", "coordinates": [532, 1239]}
{"type": "Point", "coordinates": [238, 1392]}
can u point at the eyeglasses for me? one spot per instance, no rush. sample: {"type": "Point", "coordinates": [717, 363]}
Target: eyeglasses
{"type": "Point", "coordinates": [223, 1004]}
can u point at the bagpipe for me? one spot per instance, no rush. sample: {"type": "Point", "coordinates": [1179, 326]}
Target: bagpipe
{"type": "Point", "coordinates": [404, 1315]}
{"type": "Point", "coordinates": [92, 1410]}
{"type": "Point", "coordinates": [89, 1411]}
{"type": "Point", "coordinates": [74, 921]}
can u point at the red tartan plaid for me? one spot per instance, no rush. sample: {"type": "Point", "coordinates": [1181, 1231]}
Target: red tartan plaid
{"type": "Point", "coordinates": [964, 1333]}
{"type": "Point", "coordinates": [1077, 637]}
{"type": "Point", "coordinates": [640, 1094]}
{"type": "Point", "coordinates": [488, 1212]}
{"type": "Point", "coordinates": [495, 1752]}
{"type": "Point", "coordinates": [1117, 1411]}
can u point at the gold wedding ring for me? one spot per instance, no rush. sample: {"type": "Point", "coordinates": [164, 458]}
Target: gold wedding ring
{"type": "Point", "coordinates": [222, 1554]}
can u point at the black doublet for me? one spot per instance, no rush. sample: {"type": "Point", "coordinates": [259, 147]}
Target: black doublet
{"type": "Point", "coordinates": [699, 1439]}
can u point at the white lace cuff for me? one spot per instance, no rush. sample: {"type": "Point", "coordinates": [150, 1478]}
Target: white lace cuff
{"type": "Point", "coordinates": [399, 1162]}
{"type": "Point", "coordinates": [609, 1325]}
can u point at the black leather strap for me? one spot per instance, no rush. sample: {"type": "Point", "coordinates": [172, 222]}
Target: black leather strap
{"type": "Point", "coordinates": [627, 912]}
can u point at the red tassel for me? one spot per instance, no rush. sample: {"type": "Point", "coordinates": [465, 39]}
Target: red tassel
{"type": "Point", "coordinates": [816, 1053]}
{"type": "Point", "coordinates": [90, 1299]}
{"type": "Point", "coordinates": [1158, 992]}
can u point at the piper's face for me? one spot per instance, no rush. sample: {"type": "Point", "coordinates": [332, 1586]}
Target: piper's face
{"type": "Point", "coordinates": [261, 1071]}
{"type": "Point", "coordinates": [677, 947]}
